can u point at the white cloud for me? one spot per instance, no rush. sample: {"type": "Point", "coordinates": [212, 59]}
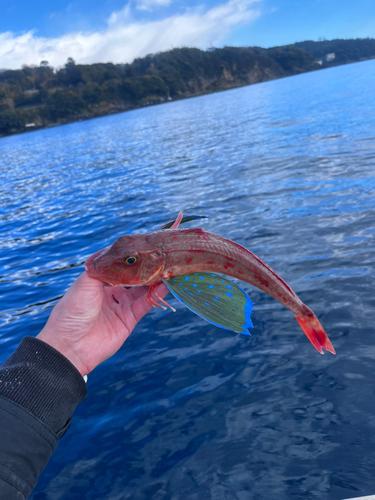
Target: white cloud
{"type": "Point", "coordinates": [121, 17]}
{"type": "Point", "coordinates": [151, 4]}
{"type": "Point", "coordinates": [125, 39]}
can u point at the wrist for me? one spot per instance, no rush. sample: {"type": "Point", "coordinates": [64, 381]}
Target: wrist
{"type": "Point", "coordinates": [65, 349]}
{"type": "Point", "coordinates": [38, 378]}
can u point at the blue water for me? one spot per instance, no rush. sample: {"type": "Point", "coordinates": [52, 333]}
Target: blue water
{"type": "Point", "coordinates": [186, 410]}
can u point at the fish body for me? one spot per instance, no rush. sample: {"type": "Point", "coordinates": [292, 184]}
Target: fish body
{"type": "Point", "coordinates": [172, 252]}
{"type": "Point", "coordinates": [150, 258]}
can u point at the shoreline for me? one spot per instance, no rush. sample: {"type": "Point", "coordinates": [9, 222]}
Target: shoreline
{"type": "Point", "coordinates": [262, 70]}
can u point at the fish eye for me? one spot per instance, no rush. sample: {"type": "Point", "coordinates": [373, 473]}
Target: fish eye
{"type": "Point", "coordinates": [131, 260]}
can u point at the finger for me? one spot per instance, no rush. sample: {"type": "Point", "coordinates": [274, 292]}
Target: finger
{"type": "Point", "coordinates": [86, 284]}
{"type": "Point", "coordinates": [89, 291]}
{"type": "Point", "coordinates": [162, 290]}
{"type": "Point", "coordinates": [127, 297]}
{"type": "Point", "coordinates": [141, 306]}
{"type": "Point", "coordinates": [135, 292]}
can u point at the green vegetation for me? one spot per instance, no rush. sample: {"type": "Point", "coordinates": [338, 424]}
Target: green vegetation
{"type": "Point", "coordinates": [336, 52]}
{"type": "Point", "coordinates": [35, 97]}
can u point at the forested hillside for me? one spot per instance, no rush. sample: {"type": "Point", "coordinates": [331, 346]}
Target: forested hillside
{"type": "Point", "coordinates": [336, 52]}
{"type": "Point", "coordinates": [35, 97]}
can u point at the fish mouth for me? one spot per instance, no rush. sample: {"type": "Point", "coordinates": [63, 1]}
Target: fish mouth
{"type": "Point", "coordinates": [90, 265]}
{"type": "Point", "coordinates": [88, 269]}
{"type": "Point", "coordinates": [92, 262]}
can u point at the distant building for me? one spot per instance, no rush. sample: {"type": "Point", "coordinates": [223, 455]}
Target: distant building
{"type": "Point", "coordinates": [330, 57]}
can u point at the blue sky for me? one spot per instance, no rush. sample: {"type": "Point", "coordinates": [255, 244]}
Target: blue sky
{"type": "Point", "coordinates": [118, 31]}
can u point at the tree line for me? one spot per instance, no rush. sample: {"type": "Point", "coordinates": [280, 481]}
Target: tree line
{"type": "Point", "coordinates": [37, 96]}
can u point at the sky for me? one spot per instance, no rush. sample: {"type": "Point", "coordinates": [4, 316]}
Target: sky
{"type": "Point", "coordinates": [118, 31]}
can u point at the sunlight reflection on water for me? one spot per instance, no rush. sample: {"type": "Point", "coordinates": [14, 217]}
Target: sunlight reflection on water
{"type": "Point", "coordinates": [186, 410]}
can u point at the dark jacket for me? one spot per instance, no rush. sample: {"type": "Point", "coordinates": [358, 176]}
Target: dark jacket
{"type": "Point", "coordinates": [39, 390]}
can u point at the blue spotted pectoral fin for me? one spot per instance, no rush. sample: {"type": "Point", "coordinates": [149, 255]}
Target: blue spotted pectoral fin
{"type": "Point", "coordinates": [215, 299]}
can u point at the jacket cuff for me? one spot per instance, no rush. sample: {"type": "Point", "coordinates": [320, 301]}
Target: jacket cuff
{"type": "Point", "coordinates": [26, 446]}
{"type": "Point", "coordinates": [44, 382]}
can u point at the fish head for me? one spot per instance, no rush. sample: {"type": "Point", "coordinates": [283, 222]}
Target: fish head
{"type": "Point", "coordinates": [130, 260]}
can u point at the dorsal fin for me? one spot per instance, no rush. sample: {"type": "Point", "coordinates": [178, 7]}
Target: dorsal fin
{"type": "Point", "coordinates": [177, 221]}
{"type": "Point", "coordinates": [187, 218]}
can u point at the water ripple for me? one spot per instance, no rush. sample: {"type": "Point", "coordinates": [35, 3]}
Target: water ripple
{"type": "Point", "coordinates": [186, 410]}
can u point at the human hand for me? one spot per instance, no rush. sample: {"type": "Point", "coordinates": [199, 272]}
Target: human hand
{"type": "Point", "coordinates": [87, 326]}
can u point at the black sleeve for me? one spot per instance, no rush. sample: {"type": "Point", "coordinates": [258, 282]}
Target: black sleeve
{"type": "Point", "coordinates": [39, 390]}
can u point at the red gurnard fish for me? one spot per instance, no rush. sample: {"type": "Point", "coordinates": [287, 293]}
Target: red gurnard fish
{"type": "Point", "coordinates": [187, 260]}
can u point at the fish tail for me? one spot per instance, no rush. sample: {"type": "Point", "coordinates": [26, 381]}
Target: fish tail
{"type": "Point", "coordinates": [315, 332]}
